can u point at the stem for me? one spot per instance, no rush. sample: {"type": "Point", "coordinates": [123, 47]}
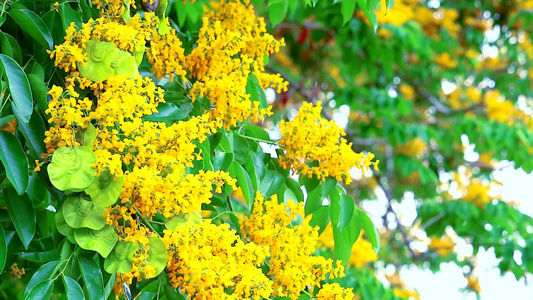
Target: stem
{"type": "Point", "coordinates": [260, 140]}
{"type": "Point", "coordinates": [145, 221]}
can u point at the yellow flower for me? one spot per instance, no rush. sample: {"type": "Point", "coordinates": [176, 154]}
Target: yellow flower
{"type": "Point", "coordinates": [308, 139]}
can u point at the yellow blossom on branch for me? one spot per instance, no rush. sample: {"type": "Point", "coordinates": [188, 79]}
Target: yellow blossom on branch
{"type": "Point", "coordinates": [308, 139]}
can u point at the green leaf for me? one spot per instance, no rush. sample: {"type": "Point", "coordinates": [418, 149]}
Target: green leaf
{"type": "Point", "coordinates": [10, 47]}
{"type": "Point", "coordinates": [80, 212]}
{"type": "Point", "coordinates": [370, 230]}
{"type": "Point", "coordinates": [277, 10]}
{"type": "Point", "coordinates": [72, 288]}
{"type": "Point", "coordinates": [157, 255]}
{"type": "Point", "coordinates": [256, 132]}
{"type": "Point", "coordinates": [243, 181]}
{"type": "Point", "coordinates": [63, 227]}
{"type": "Point", "coordinates": [42, 291]}
{"type": "Point", "coordinates": [92, 277]}
{"type": "Point", "coordinates": [69, 15]}
{"type": "Point", "coordinates": [44, 273]}
{"type": "Point", "coordinates": [105, 189]}
{"type": "Point", "coordinates": [347, 207]}
{"type": "Point", "coordinates": [39, 90]}
{"type": "Point", "coordinates": [320, 218]}
{"type": "Point", "coordinates": [19, 87]}
{"type": "Point", "coordinates": [254, 89]}
{"type": "Point", "coordinates": [102, 241]}
{"type": "Point", "coordinates": [3, 249]}
{"type": "Point", "coordinates": [33, 132]}
{"type": "Point", "coordinates": [109, 285]}
{"type": "Point", "coordinates": [30, 23]}
{"type": "Point", "coordinates": [71, 168]}
{"type": "Point", "coordinates": [347, 10]}
{"type": "Point", "coordinates": [271, 183]}
{"type": "Point", "coordinates": [121, 258]}
{"type": "Point", "coordinates": [101, 55]}
{"type": "Point", "coordinates": [242, 149]}
{"type": "Point", "coordinates": [22, 214]}
{"type": "Point", "coordinates": [14, 160]}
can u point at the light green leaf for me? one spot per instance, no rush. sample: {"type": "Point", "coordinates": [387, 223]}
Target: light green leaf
{"type": "Point", "coordinates": [277, 10]}
{"type": "Point", "coordinates": [243, 181]}
{"type": "Point", "coordinates": [347, 10]}
{"type": "Point", "coordinates": [80, 212]}
{"type": "Point", "coordinates": [105, 189]}
{"type": "Point", "coordinates": [102, 241]}
{"type": "Point", "coordinates": [71, 168]}
{"type": "Point", "coordinates": [254, 89]}
{"type": "Point", "coordinates": [370, 230]}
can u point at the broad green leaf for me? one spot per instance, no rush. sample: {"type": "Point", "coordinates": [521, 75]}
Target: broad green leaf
{"type": "Point", "coordinates": [277, 10]}
{"type": "Point", "coordinates": [14, 161]}
{"type": "Point", "coordinates": [222, 160]}
{"type": "Point", "coordinates": [120, 260]}
{"type": "Point", "coordinates": [72, 288]}
{"type": "Point", "coordinates": [157, 255]}
{"type": "Point", "coordinates": [105, 189]}
{"type": "Point", "coordinates": [92, 277]}
{"type": "Point", "coordinates": [63, 227]}
{"type": "Point", "coordinates": [40, 257]}
{"type": "Point", "coordinates": [242, 149]}
{"type": "Point", "coordinates": [243, 181]}
{"type": "Point", "coordinates": [254, 89]}
{"type": "Point", "coordinates": [80, 212]}
{"type": "Point", "coordinates": [347, 207]}
{"type": "Point", "coordinates": [102, 241]}
{"type": "Point", "coordinates": [101, 55]}
{"type": "Point", "coordinates": [19, 87]}
{"type": "Point", "coordinates": [256, 132]}
{"type": "Point", "coordinates": [42, 291]}
{"type": "Point", "coordinates": [370, 230]}
{"type": "Point", "coordinates": [22, 214]}
{"type": "Point", "coordinates": [271, 183]}
{"type": "Point", "coordinates": [10, 47]}
{"type": "Point", "coordinates": [30, 23]}
{"type": "Point", "coordinates": [44, 273]}
{"type": "Point", "coordinates": [314, 200]}
{"type": "Point", "coordinates": [109, 285]}
{"type": "Point", "coordinates": [182, 219]}
{"type": "Point", "coordinates": [3, 249]}
{"type": "Point", "coordinates": [347, 10]}
{"type": "Point", "coordinates": [320, 218]}
{"type": "Point", "coordinates": [33, 132]}
{"type": "Point", "coordinates": [68, 16]}
{"type": "Point", "coordinates": [71, 168]}
{"type": "Point", "coordinates": [39, 90]}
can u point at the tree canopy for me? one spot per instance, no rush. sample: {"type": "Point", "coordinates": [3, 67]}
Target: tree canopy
{"type": "Point", "coordinates": [238, 149]}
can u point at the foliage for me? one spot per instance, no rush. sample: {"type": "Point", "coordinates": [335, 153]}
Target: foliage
{"type": "Point", "coordinates": [192, 149]}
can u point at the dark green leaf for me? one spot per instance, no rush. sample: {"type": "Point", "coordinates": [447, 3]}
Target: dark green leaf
{"type": "Point", "coordinates": [19, 87]}
{"type": "Point", "coordinates": [72, 288]}
{"type": "Point", "coordinates": [30, 23]}
{"type": "Point", "coordinates": [21, 213]}
{"type": "Point", "coordinates": [271, 183]}
{"type": "Point", "coordinates": [92, 276]}
{"type": "Point", "coordinates": [370, 230]}
{"type": "Point", "coordinates": [14, 160]}
{"type": "Point", "coordinates": [3, 249]}
{"type": "Point", "coordinates": [39, 90]}
{"type": "Point", "coordinates": [243, 181]}
{"type": "Point", "coordinates": [253, 88]}
{"type": "Point", "coordinates": [10, 47]}
{"type": "Point", "coordinates": [33, 131]}
{"type": "Point", "coordinates": [347, 207]}
{"type": "Point", "coordinates": [42, 291]}
{"type": "Point", "coordinates": [44, 273]}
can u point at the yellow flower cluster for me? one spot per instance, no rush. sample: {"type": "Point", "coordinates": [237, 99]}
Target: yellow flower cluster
{"type": "Point", "coordinates": [231, 46]}
{"type": "Point", "coordinates": [207, 259]}
{"type": "Point", "coordinates": [415, 147]}
{"type": "Point", "coordinates": [477, 193]}
{"type": "Point", "coordinates": [291, 261]}
{"type": "Point", "coordinates": [308, 139]}
{"type": "Point", "coordinates": [431, 20]}
{"type": "Point", "coordinates": [333, 291]}
{"type": "Point", "coordinates": [362, 251]}
{"type": "Point", "coordinates": [445, 61]}
{"type": "Point", "coordinates": [443, 245]}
